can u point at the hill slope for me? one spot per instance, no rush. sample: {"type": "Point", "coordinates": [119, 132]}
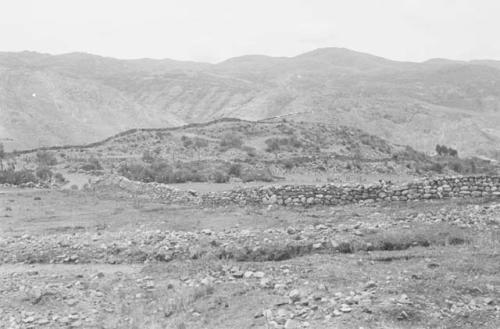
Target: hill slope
{"type": "Point", "coordinates": [78, 98]}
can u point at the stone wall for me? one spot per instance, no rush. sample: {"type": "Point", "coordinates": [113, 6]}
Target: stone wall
{"type": "Point", "coordinates": [309, 195]}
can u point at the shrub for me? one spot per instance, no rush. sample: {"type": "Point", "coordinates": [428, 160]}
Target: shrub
{"type": "Point", "coordinates": [252, 174]}
{"type": "Point", "coordinates": [59, 178]}
{"type": "Point", "coordinates": [91, 165]}
{"type": "Point", "coordinates": [17, 177]}
{"type": "Point", "coordinates": [288, 164]}
{"type": "Point", "coordinates": [137, 172]}
{"type": "Point", "coordinates": [45, 158]}
{"type": "Point", "coordinates": [181, 176]}
{"type": "Point", "coordinates": [273, 145]}
{"type": "Point", "coordinates": [251, 151]}
{"type": "Point", "coordinates": [44, 173]}
{"type": "Point", "coordinates": [186, 141]}
{"type": "Point", "coordinates": [456, 166]}
{"type": "Point", "coordinates": [231, 140]}
{"type": "Point", "coordinates": [147, 156]}
{"type": "Point", "coordinates": [157, 150]}
{"type": "Point", "coordinates": [235, 170]}
{"type": "Point", "coordinates": [220, 177]}
{"type": "Point", "coordinates": [200, 143]}
{"type": "Point", "coordinates": [160, 172]}
{"type": "Point", "coordinates": [436, 167]}
{"type": "Point", "coordinates": [444, 151]}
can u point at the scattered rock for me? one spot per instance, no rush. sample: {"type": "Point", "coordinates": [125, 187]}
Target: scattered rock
{"type": "Point", "coordinates": [295, 295]}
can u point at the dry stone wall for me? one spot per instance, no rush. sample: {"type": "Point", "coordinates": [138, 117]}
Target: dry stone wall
{"type": "Point", "coordinates": [310, 195]}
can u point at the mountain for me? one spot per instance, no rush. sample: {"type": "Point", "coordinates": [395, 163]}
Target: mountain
{"type": "Point", "coordinates": [79, 98]}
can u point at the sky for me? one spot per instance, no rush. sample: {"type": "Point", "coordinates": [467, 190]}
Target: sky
{"type": "Point", "coordinates": [214, 30]}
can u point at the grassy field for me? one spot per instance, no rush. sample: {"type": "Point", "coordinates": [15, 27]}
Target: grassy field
{"type": "Point", "coordinates": [73, 259]}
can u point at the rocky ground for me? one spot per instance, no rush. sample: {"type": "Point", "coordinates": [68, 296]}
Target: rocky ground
{"type": "Point", "coordinates": [76, 260]}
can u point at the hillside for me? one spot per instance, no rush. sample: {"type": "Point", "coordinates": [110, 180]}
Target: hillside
{"type": "Point", "coordinates": [236, 151]}
{"type": "Point", "coordinates": [245, 151]}
{"type": "Point", "coordinates": [80, 98]}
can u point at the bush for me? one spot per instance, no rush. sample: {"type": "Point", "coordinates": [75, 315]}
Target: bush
{"type": "Point", "coordinates": [251, 151]}
{"type": "Point", "coordinates": [44, 173]}
{"type": "Point", "coordinates": [235, 170]}
{"type": "Point", "coordinates": [195, 171]}
{"type": "Point", "coordinates": [45, 158]}
{"type": "Point", "coordinates": [436, 167]}
{"type": "Point", "coordinates": [91, 165]}
{"type": "Point", "coordinates": [274, 144]}
{"type": "Point", "coordinates": [288, 164]}
{"type": "Point", "coordinates": [59, 178]}
{"type": "Point", "coordinates": [252, 174]}
{"type": "Point", "coordinates": [17, 177]}
{"type": "Point", "coordinates": [200, 143]}
{"type": "Point", "coordinates": [444, 151]}
{"type": "Point", "coordinates": [160, 172]}
{"type": "Point", "coordinates": [186, 141]}
{"type": "Point", "coordinates": [231, 140]}
{"type": "Point", "coordinates": [180, 176]}
{"type": "Point", "coordinates": [147, 156]}
{"type": "Point", "coordinates": [137, 172]}
{"type": "Point", "coordinates": [220, 177]}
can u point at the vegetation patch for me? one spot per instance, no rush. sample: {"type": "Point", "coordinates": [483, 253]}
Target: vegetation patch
{"type": "Point", "coordinates": [19, 177]}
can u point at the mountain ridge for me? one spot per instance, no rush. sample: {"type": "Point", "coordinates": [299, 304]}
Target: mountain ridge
{"type": "Point", "coordinates": [81, 98]}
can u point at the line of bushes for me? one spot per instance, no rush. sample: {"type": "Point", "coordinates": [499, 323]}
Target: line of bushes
{"type": "Point", "coordinates": [25, 176]}
{"type": "Point", "coordinates": [17, 177]}
{"type": "Point", "coordinates": [469, 166]}
{"type": "Point", "coordinates": [196, 171]}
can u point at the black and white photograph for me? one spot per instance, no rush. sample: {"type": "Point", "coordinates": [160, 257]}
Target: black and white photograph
{"type": "Point", "coordinates": [237, 164]}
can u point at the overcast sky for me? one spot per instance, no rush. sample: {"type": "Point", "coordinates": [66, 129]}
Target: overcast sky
{"type": "Point", "coordinates": [214, 30]}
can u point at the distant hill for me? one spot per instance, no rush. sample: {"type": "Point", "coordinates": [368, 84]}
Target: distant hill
{"type": "Point", "coordinates": [79, 98]}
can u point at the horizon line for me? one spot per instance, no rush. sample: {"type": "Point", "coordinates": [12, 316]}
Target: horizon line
{"type": "Point", "coordinates": [241, 56]}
